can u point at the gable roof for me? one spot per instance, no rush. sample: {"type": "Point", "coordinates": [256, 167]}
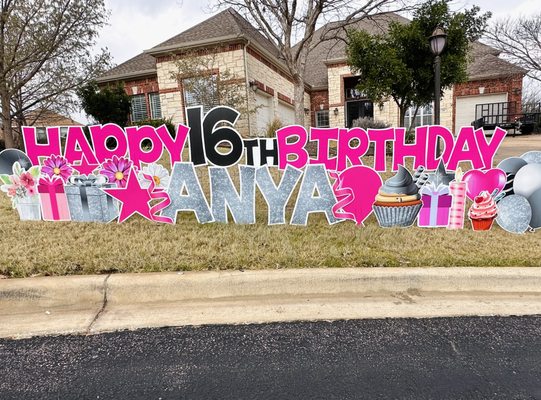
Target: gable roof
{"type": "Point", "coordinates": [227, 25]}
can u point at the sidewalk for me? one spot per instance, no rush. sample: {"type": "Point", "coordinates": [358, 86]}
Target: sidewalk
{"type": "Point", "coordinates": [92, 304]}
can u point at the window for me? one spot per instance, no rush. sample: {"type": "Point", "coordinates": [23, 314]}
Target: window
{"type": "Point", "coordinates": [423, 117]}
{"type": "Point", "coordinates": [139, 108]}
{"type": "Point", "coordinates": [41, 133]}
{"type": "Point", "coordinates": [155, 105]}
{"type": "Point", "coordinates": [322, 119]}
{"type": "Point", "coordinates": [201, 90]}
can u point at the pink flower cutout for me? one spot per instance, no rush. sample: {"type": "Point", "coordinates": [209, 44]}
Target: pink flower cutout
{"type": "Point", "coordinates": [27, 180]}
{"type": "Point", "coordinates": [57, 166]}
{"type": "Point", "coordinates": [117, 170]}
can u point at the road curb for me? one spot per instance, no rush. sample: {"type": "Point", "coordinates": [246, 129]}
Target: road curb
{"type": "Point", "coordinates": [88, 304]}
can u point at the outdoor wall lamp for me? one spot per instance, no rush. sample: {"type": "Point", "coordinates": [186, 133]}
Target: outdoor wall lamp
{"type": "Point", "coordinates": [437, 44]}
{"type": "Point", "coordinates": [335, 111]}
{"type": "Point", "coordinates": [306, 111]}
{"type": "Point", "coordinates": [253, 85]}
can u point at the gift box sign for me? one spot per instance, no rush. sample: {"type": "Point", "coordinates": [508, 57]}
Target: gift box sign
{"type": "Point", "coordinates": [436, 206]}
{"type": "Point", "coordinates": [54, 203]}
{"type": "Point", "coordinates": [29, 208]}
{"type": "Point", "coordinates": [87, 202]}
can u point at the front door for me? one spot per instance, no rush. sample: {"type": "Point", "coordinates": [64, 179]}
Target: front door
{"type": "Point", "coordinates": [358, 109]}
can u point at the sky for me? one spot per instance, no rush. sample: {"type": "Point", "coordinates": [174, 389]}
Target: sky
{"type": "Point", "coordinates": [137, 25]}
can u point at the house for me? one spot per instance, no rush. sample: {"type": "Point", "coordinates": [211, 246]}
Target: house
{"type": "Point", "coordinates": [41, 119]}
{"type": "Point", "coordinates": [152, 79]}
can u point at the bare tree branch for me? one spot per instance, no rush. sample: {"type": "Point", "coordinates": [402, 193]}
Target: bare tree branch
{"type": "Point", "coordinates": [519, 40]}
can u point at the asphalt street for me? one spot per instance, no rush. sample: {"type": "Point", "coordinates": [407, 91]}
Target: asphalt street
{"type": "Point", "coordinates": [445, 358]}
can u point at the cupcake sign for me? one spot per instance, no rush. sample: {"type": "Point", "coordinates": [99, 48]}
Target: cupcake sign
{"type": "Point", "coordinates": [82, 179]}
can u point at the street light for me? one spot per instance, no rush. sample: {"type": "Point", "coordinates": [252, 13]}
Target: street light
{"type": "Point", "coordinates": [437, 44]}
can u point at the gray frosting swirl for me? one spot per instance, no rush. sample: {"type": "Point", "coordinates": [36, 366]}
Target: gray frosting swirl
{"type": "Point", "coordinates": [401, 183]}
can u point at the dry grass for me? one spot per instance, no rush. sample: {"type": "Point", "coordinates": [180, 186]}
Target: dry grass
{"type": "Point", "coordinates": [45, 248]}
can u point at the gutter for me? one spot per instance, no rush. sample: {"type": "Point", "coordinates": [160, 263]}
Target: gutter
{"type": "Point", "coordinates": [119, 77]}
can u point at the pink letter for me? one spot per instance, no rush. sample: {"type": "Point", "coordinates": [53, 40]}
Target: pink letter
{"type": "Point", "coordinates": [465, 149]}
{"type": "Point", "coordinates": [295, 148]}
{"type": "Point", "coordinates": [136, 135]}
{"type": "Point", "coordinates": [174, 146]}
{"type": "Point", "coordinates": [100, 134]}
{"type": "Point", "coordinates": [416, 150]}
{"type": "Point", "coordinates": [35, 150]}
{"type": "Point", "coordinates": [435, 132]}
{"type": "Point", "coordinates": [488, 150]}
{"type": "Point", "coordinates": [323, 136]}
{"type": "Point", "coordinates": [353, 154]}
{"type": "Point", "coordinates": [380, 137]}
{"type": "Point", "coordinates": [77, 146]}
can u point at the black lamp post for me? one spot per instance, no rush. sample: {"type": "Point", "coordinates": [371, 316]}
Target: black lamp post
{"type": "Point", "coordinates": [437, 44]}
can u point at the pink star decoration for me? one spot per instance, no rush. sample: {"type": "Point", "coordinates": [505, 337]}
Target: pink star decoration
{"type": "Point", "coordinates": [134, 199]}
{"type": "Point", "coordinates": [84, 167]}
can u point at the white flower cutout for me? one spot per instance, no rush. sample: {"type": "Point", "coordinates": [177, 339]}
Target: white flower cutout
{"type": "Point", "coordinates": [159, 174]}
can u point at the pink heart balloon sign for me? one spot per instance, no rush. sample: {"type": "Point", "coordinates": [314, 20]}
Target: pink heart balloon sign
{"type": "Point", "coordinates": [489, 180]}
{"type": "Point", "coordinates": [355, 189]}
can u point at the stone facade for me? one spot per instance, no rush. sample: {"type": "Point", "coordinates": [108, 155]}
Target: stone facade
{"type": "Point", "coordinates": [260, 76]}
{"type": "Point", "coordinates": [229, 58]}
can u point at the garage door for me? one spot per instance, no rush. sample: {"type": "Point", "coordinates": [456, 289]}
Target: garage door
{"type": "Point", "coordinates": [263, 113]}
{"type": "Point", "coordinates": [286, 113]}
{"type": "Point", "coordinates": [465, 107]}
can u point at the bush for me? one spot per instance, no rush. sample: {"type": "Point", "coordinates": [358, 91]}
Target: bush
{"type": "Point", "coordinates": [156, 123]}
{"type": "Point", "coordinates": [369, 123]}
{"type": "Point", "coordinates": [272, 127]}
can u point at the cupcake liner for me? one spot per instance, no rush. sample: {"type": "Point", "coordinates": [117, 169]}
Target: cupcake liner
{"type": "Point", "coordinates": [403, 216]}
{"type": "Point", "coordinates": [482, 224]}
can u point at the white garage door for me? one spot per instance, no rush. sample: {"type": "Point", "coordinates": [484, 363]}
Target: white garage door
{"type": "Point", "coordinates": [465, 107]}
{"type": "Point", "coordinates": [286, 114]}
{"type": "Point", "coordinates": [264, 113]}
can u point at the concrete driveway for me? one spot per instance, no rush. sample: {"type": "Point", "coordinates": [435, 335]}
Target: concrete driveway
{"type": "Point", "coordinates": [518, 145]}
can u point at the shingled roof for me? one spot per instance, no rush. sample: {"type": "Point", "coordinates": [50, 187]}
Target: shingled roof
{"type": "Point", "coordinates": [226, 24]}
{"type": "Point", "coordinates": [484, 62]}
{"type": "Point", "coordinates": [316, 69]}
{"type": "Point", "coordinates": [140, 65]}
{"type": "Point", "coordinates": [230, 25]}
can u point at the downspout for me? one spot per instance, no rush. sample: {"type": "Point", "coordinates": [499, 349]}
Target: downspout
{"type": "Point", "coordinates": [247, 86]}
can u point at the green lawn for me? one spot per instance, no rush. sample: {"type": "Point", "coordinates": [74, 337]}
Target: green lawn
{"type": "Point", "coordinates": [53, 248]}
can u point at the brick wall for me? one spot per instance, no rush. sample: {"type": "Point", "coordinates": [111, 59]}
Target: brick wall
{"type": "Point", "coordinates": [319, 100]}
{"type": "Point", "coordinates": [142, 86]}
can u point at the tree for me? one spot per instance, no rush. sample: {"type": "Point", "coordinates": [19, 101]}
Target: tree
{"type": "Point", "coordinates": [291, 25]}
{"type": "Point", "coordinates": [110, 104]}
{"type": "Point", "coordinates": [399, 64]}
{"type": "Point", "coordinates": [45, 54]}
{"type": "Point", "coordinates": [520, 40]}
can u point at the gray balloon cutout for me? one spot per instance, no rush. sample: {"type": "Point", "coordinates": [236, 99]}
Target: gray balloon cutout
{"type": "Point", "coordinates": [511, 166]}
{"type": "Point", "coordinates": [532, 157]}
{"type": "Point", "coordinates": [527, 180]}
{"type": "Point", "coordinates": [535, 204]}
{"type": "Point", "coordinates": [9, 157]}
{"type": "Point", "coordinates": [514, 214]}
